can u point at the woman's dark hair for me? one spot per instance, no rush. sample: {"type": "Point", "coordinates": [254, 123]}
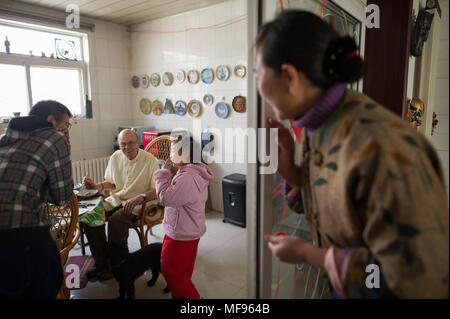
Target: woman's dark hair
{"type": "Point", "coordinates": [305, 41]}
{"type": "Point", "coordinates": [49, 107]}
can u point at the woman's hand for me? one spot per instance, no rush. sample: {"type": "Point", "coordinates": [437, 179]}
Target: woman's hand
{"type": "Point", "coordinates": [286, 152]}
{"type": "Point", "coordinates": [130, 204]}
{"type": "Point", "coordinates": [293, 250]}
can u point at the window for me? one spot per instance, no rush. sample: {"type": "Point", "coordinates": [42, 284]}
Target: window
{"type": "Point", "coordinates": [38, 63]}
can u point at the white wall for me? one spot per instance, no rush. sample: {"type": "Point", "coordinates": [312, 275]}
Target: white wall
{"type": "Point", "coordinates": [109, 68]}
{"type": "Point", "coordinates": [194, 49]}
{"type": "Point", "coordinates": [440, 139]}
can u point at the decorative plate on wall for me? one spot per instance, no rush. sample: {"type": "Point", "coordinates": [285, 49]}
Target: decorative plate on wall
{"type": "Point", "coordinates": [194, 108]}
{"type": "Point", "coordinates": [207, 75]}
{"type": "Point", "coordinates": [208, 99]}
{"type": "Point", "coordinates": [145, 106]}
{"type": "Point", "coordinates": [239, 103]}
{"type": "Point", "coordinates": [181, 76]}
{"type": "Point", "coordinates": [222, 110]}
{"type": "Point", "coordinates": [145, 81]}
{"type": "Point", "coordinates": [168, 107]}
{"type": "Point", "coordinates": [155, 79]}
{"type": "Point", "coordinates": [193, 76]}
{"type": "Point", "coordinates": [167, 78]}
{"type": "Point", "coordinates": [157, 107]}
{"type": "Point", "coordinates": [223, 72]}
{"type": "Point", "coordinates": [180, 107]}
{"type": "Point", "coordinates": [240, 71]}
{"type": "Point", "coordinates": [135, 81]}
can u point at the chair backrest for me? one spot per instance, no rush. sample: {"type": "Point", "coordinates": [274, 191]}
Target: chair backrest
{"type": "Point", "coordinates": [64, 230]}
{"type": "Point", "coordinates": [161, 147]}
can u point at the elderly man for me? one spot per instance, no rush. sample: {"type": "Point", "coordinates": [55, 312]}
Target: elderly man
{"type": "Point", "coordinates": [35, 168]}
{"type": "Point", "coordinates": [129, 178]}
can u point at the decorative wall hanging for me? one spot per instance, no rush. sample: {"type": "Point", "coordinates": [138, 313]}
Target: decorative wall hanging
{"type": "Point", "coordinates": [145, 106]}
{"type": "Point", "coordinates": [239, 103]}
{"type": "Point", "coordinates": [222, 110]}
{"type": "Point", "coordinates": [155, 79]}
{"type": "Point", "coordinates": [181, 76]}
{"type": "Point", "coordinates": [420, 32]}
{"type": "Point", "coordinates": [240, 71]}
{"type": "Point", "coordinates": [65, 49]}
{"type": "Point", "coordinates": [157, 107]}
{"type": "Point", "coordinates": [194, 108]}
{"type": "Point", "coordinates": [168, 107]}
{"type": "Point", "coordinates": [193, 76]}
{"type": "Point", "coordinates": [145, 81]}
{"type": "Point", "coordinates": [208, 99]}
{"type": "Point", "coordinates": [167, 78]}
{"type": "Point", "coordinates": [207, 75]}
{"type": "Point", "coordinates": [223, 72]}
{"type": "Point", "coordinates": [415, 112]}
{"type": "Point", "coordinates": [180, 107]}
{"type": "Point", "coordinates": [135, 81]}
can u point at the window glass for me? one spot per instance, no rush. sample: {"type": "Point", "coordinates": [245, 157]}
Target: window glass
{"type": "Point", "coordinates": [13, 90]}
{"type": "Point", "coordinates": [62, 85]}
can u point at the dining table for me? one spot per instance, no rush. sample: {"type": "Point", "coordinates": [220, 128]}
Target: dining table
{"type": "Point", "coordinates": [92, 213]}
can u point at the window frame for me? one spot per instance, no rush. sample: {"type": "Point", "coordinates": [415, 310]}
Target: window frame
{"type": "Point", "coordinates": [28, 61]}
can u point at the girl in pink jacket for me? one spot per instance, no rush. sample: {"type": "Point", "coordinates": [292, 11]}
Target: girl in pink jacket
{"type": "Point", "coordinates": [184, 198]}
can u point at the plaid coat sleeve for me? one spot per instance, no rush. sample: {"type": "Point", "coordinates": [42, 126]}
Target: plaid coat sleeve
{"type": "Point", "coordinates": [59, 171]}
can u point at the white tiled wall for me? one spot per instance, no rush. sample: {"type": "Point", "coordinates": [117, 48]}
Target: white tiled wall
{"type": "Point", "coordinates": [440, 139]}
{"type": "Point", "coordinates": [192, 49]}
{"type": "Point", "coordinates": [109, 68]}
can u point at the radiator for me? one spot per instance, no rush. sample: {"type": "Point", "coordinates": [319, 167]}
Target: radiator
{"type": "Point", "coordinates": [94, 168]}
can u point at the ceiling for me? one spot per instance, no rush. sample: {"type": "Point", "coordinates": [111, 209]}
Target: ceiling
{"type": "Point", "coordinates": [126, 12]}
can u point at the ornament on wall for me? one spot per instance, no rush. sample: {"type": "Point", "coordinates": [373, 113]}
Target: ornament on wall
{"type": "Point", "coordinates": [146, 106]}
{"type": "Point", "coordinates": [222, 110]}
{"type": "Point", "coordinates": [415, 112]}
{"type": "Point", "coordinates": [193, 76]}
{"type": "Point", "coordinates": [419, 34]}
{"type": "Point", "coordinates": [223, 72]}
{"type": "Point", "coordinates": [145, 81]}
{"type": "Point", "coordinates": [180, 107]}
{"type": "Point", "coordinates": [157, 107]}
{"type": "Point", "coordinates": [135, 81]}
{"type": "Point", "coordinates": [155, 79]}
{"type": "Point", "coordinates": [167, 78]}
{"type": "Point", "coordinates": [208, 99]}
{"type": "Point", "coordinates": [239, 104]}
{"type": "Point", "coordinates": [240, 71]}
{"type": "Point", "coordinates": [181, 76]}
{"type": "Point", "coordinates": [207, 75]}
{"type": "Point", "coordinates": [168, 107]}
{"type": "Point", "coordinates": [435, 123]}
{"type": "Point", "coordinates": [194, 108]}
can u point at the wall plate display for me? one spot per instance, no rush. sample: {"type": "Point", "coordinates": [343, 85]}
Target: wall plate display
{"type": "Point", "coordinates": [145, 81]}
{"type": "Point", "coordinates": [194, 108]}
{"type": "Point", "coordinates": [146, 106]}
{"type": "Point", "coordinates": [135, 81]}
{"type": "Point", "coordinates": [207, 75]}
{"type": "Point", "coordinates": [239, 103]}
{"type": "Point", "coordinates": [167, 78]}
{"type": "Point", "coordinates": [181, 76]}
{"type": "Point", "coordinates": [157, 107]}
{"type": "Point", "coordinates": [222, 110]}
{"type": "Point", "coordinates": [193, 76]}
{"type": "Point", "coordinates": [155, 79]}
{"type": "Point", "coordinates": [180, 107]}
{"type": "Point", "coordinates": [223, 72]}
{"type": "Point", "coordinates": [208, 99]}
{"type": "Point", "coordinates": [240, 71]}
{"type": "Point", "coordinates": [168, 107]}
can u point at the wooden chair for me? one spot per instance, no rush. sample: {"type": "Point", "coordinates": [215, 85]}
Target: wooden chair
{"type": "Point", "coordinates": [65, 232]}
{"type": "Point", "coordinates": [153, 215]}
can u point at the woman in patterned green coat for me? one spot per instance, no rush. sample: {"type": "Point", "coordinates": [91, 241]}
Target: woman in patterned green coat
{"type": "Point", "coordinates": [370, 186]}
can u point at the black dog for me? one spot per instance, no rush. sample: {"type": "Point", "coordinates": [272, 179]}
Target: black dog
{"type": "Point", "coordinates": [127, 267]}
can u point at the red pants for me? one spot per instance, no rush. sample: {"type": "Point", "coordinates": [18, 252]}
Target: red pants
{"type": "Point", "coordinates": [177, 266]}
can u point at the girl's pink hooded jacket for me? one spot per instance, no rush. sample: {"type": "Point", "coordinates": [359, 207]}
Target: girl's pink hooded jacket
{"type": "Point", "coordinates": [184, 199]}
